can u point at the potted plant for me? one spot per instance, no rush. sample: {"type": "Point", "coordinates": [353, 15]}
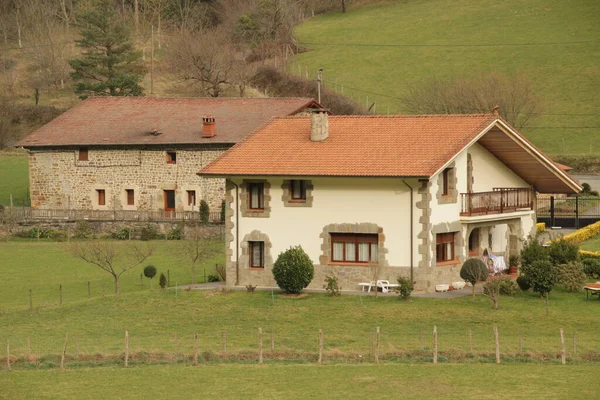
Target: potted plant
{"type": "Point", "coordinates": [513, 263]}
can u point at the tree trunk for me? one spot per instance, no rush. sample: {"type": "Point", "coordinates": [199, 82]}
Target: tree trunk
{"type": "Point", "coordinates": [137, 16]}
{"type": "Point", "coordinates": [546, 304]}
{"type": "Point", "coordinates": [116, 277]}
{"type": "Point", "coordinates": [473, 291]}
{"type": "Point", "coordinates": [343, 6]}
{"type": "Point", "coordinates": [19, 30]}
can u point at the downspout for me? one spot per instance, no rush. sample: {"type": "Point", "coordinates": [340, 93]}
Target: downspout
{"type": "Point", "coordinates": [237, 235]}
{"type": "Point", "coordinates": [412, 280]}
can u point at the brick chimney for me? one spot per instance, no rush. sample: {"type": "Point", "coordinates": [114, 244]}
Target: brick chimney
{"type": "Point", "coordinates": [319, 125]}
{"type": "Point", "coordinates": [208, 126]}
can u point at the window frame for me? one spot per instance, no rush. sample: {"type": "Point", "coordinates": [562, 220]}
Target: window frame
{"type": "Point", "coordinates": [171, 157]}
{"type": "Point", "coordinates": [441, 243]}
{"type": "Point", "coordinates": [261, 196]}
{"type": "Point", "coordinates": [251, 245]}
{"type": "Point", "coordinates": [356, 239]}
{"type": "Point", "coordinates": [130, 197]}
{"type": "Point", "coordinates": [101, 196]}
{"type": "Point", "coordinates": [84, 154]}
{"type": "Point", "coordinates": [446, 182]}
{"type": "Point", "coordinates": [191, 198]}
{"type": "Point", "coordinates": [302, 197]}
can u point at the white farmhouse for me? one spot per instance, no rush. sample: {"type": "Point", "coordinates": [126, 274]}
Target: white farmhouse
{"type": "Point", "coordinates": [380, 196]}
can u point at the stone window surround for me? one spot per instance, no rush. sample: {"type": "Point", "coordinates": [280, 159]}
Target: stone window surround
{"type": "Point", "coordinates": [459, 242]}
{"type": "Point", "coordinates": [452, 196]}
{"type": "Point", "coordinates": [256, 236]}
{"type": "Point", "coordinates": [286, 197]}
{"type": "Point", "coordinates": [136, 197]}
{"type": "Point", "coordinates": [107, 197]}
{"type": "Point", "coordinates": [184, 197]}
{"type": "Point", "coordinates": [364, 227]}
{"type": "Point", "coordinates": [245, 207]}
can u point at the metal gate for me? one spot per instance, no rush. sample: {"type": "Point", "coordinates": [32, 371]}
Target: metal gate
{"type": "Point", "coordinates": [575, 212]}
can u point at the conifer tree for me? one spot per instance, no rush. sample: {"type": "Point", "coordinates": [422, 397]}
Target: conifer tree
{"type": "Point", "coordinates": [109, 65]}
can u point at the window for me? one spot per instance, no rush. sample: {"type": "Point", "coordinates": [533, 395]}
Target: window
{"type": "Point", "coordinates": [256, 196]}
{"type": "Point", "coordinates": [298, 189]}
{"type": "Point", "coordinates": [257, 254]}
{"type": "Point", "coordinates": [446, 182]}
{"type": "Point", "coordinates": [130, 197]}
{"type": "Point", "coordinates": [171, 157]}
{"type": "Point", "coordinates": [444, 247]}
{"type": "Point", "coordinates": [101, 197]}
{"type": "Point", "coordinates": [354, 248]}
{"type": "Point", "coordinates": [191, 196]}
{"type": "Point", "coordinates": [169, 200]}
{"type": "Point", "coordinates": [83, 154]}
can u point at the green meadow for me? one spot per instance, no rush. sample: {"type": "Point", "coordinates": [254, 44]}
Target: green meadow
{"type": "Point", "coordinates": [14, 179]}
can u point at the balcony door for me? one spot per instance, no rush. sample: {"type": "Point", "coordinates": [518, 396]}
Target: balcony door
{"type": "Point", "coordinates": [169, 200]}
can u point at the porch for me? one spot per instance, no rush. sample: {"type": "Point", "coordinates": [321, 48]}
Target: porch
{"type": "Point", "coordinates": [498, 201]}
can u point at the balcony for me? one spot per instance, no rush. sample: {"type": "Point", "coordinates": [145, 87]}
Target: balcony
{"type": "Point", "coordinates": [499, 201]}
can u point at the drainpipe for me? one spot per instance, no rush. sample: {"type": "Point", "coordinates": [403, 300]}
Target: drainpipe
{"type": "Point", "coordinates": [237, 235]}
{"type": "Point", "coordinates": [411, 232]}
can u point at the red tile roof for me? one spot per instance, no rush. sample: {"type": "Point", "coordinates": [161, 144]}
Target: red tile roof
{"type": "Point", "coordinates": [357, 146]}
{"type": "Point", "coordinates": [130, 120]}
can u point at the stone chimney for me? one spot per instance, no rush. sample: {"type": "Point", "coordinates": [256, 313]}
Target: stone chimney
{"type": "Point", "coordinates": [319, 125]}
{"type": "Point", "coordinates": [496, 111]}
{"type": "Point", "coordinates": [208, 126]}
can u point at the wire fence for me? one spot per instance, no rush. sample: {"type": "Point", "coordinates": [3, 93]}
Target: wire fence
{"type": "Point", "coordinates": [425, 344]}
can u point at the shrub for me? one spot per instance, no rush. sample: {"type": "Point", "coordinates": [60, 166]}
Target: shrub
{"type": "Point", "coordinates": [162, 281]}
{"type": "Point", "coordinates": [532, 251]}
{"type": "Point", "coordinates": [513, 260]}
{"type": "Point", "coordinates": [213, 278]}
{"type": "Point", "coordinates": [474, 270]}
{"type": "Point", "coordinates": [491, 290]}
{"type": "Point", "coordinates": [562, 251]}
{"type": "Point", "coordinates": [150, 271]}
{"type": "Point", "coordinates": [58, 235]}
{"type": "Point", "coordinates": [41, 233]}
{"type": "Point", "coordinates": [542, 275]}
{"type": "Point", "coordinates": [221, 270]}
{"type": "Point", "coordinates": [540, 227]}
{"type": "Point", "coordinates": [150, 232]}
{"type": "Point", "coordinates": [174, 233]}
{"type": "Point", "coordinates": [293, 270]}
{"type": "Point", "coordinates": [122, 234]}
{"type": "Point", "coordinates": [583, 234]}
{"type": "Point", "coordinates": [508, 287]}
{"type": "Point", "coordinates": [591, 267]}
{"type": "Point", "coordinates": [332, 286]}
{"type": "Point", "coordinates": [83, 230]}
{"type": "Point", "coordinates": [523, 283]}
{"type": "Point", "coordinates": [571, 276]}
{"type": "Point", "coordinates": [405, 287]}
{"type": "Point", "coordinates": [204, 212]}
{"type": "Point", "coordinates": [223, 211]}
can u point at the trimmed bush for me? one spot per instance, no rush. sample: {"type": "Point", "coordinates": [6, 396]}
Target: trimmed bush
{"type": "Point", "coordinates": [204, 212]}
{"type": "Point", "coordinates": [508, 287]}
{"type": "Point", "coordinates": [542, 275]}
{"type": "Point", "coordinates": [213, 278]}
{"type": "Point", "coordinates": [591, 267]}
{"type": "Point", "coordinates": [150, 271]}
{"type": "Point", "coordinates": [474, 270]}
{"type": "Point", "coordinates": [523, 283]}
{"type": "Point", "coordinates": [405, 287]}
{"type": "Point", "coordinates": [532, 251]}
{"type": "Point", "coordinates": [162, 281]}
{"type": "Point", "coordinates": [293, 270]}
{"type": "Point", "coordinates": [571, 276]}
{"type": "Point", "coordinates": [562, 251]}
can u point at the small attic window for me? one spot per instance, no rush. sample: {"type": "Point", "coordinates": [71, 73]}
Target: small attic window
{"type": "Point", "coordinates": [83, 154]}
{"type": "Point", "coordinates": [171, 157]}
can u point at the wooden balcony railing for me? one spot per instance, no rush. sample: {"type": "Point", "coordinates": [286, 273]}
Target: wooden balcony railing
{"type": "Point", "coordinates": [501, 200]}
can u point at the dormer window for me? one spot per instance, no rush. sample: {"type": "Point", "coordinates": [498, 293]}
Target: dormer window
{"type": "Point", "coordinates": [83, 154]}
{"type": "Point", "coordinates": [171, 157]}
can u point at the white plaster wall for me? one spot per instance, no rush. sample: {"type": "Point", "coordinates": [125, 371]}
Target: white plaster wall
{"type": "Point", "coordinates": [382, 201]}
{"type": "Point", "coordinates": [490, 173]}
{"type": "Point", "coordinates": [449, 212]}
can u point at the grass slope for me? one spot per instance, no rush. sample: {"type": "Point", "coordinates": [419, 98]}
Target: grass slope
{"type": "Point", "coordinates": [14, 179]}
{"type": "Point", "coordinates": [564, 76]}
{"type": "Point", "coordinates": [307, 381]}
{"type": "Point", "coordinates": [592, 244]}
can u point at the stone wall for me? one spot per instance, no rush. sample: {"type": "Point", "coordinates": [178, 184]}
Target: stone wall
{"type": "Point", "coordinates": [59, 180]}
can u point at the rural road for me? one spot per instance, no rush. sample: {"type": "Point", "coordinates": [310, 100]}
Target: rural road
{"type": "Point", "coordinates": [593, 180]}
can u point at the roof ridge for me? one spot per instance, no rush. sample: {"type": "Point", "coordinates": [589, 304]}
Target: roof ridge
{"type": "Point", "coordinates": [139, 98]}
{"type": "Point", "coordinates": [395, 116]}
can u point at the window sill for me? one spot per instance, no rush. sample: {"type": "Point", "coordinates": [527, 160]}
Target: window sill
{"type": "Point", "coordinates": [256, 269]}
{"type": "Point", "coordinates": [171, 162]}
{"type": "Point", "coordinates": [447, 263]}
{"type": "Point", "coordinates": [352, 264]}
{"type": "Point", "coordinates": [297, 201]}
{"type": "Point", "coordinates": [256, 210]}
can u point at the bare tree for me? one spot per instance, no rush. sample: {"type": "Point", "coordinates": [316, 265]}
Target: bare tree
{"type": "Point", "coordinates": [111, 258]}
{"type": "Point", "coordinates": [9, 221]}
{"type": "Point", "coordinates": [513, 93]}
{"type": "Point", "coordinates": [199, 245]}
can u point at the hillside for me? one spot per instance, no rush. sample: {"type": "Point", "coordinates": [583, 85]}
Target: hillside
{"type": "Point", "coordinates": [564, 76]}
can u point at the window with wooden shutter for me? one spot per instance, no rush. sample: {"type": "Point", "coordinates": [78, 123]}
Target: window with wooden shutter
{"type": "Point", "coordinates": [130, 197]}
{"type": "Point", "coordinates": [83, 154]}
{"type": "Point", "coordinates": [101, 197]}
{"type": "Point", "coordinates": [359, 248]}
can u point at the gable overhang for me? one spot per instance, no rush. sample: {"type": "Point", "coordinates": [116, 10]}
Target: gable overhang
{"type": "Point", "coordinates": [518, 154]}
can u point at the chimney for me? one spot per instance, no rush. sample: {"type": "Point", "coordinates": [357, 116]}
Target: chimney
{"type": "Point", "coordinates": [319, 125]}
{"type": "Point", "coordinates": [496, 111]}
{"type": "Point", "coordinates": [208, 126]}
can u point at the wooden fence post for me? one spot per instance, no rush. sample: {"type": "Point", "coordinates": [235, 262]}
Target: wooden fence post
{"type": "Point", "coordinates": [470, 341]}
{"type": "Point", "coordinates": [421, 339]}
{"type": "Point", "coordinates": [497, 339]}
{"type": "Point", "coordinates": [64, 353]}
{"type": "Point", "coordinates": [574, 343]}
{"type": "Point", "coordinates": [8, 354]}
{"type": "Point", "coordinates": [370, 344]}
{"type": "Point", "coordinates": [126, 349]}
{"type": "Point", "coordinates": [435, 345]}
{"type": "Point", "coordinates": [224, 340]}
{"type": "Point", "coordinates": [377, 342]}
{"type": "Point", "coordinates": [76, 347]}
{"type": "Point", "coordinates": [320, 346]}
{"type": "Point", "coordinates": [28, 346]}
{"type": "Point", "coordinates": [196, 348]}
{"type": "Point", "coordinates": [60, 295]}
{"type": "Point", "coordinates": [563, 348]}
{"type": "Point", "coordinates": [520, 341]}
{"type": "Point", "coordinates": [260, 346]}
{"type": "Point", "coordinates": [272, 341]}
{"type": "Point", "coordinates": [142, 281]}
{"type": "Point", "coordinates": [30, 300]}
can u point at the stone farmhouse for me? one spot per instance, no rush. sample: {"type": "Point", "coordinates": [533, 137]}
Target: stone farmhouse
{"type": "Point", "coordinates": [142, 153]}
{"type": "Point", "coordinates": [381, 196]}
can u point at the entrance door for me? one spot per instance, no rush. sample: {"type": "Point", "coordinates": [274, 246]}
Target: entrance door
{"type": "Point", "coordinates": [169, 200]}
{"type": "Point", "coordinates": [474, 243]}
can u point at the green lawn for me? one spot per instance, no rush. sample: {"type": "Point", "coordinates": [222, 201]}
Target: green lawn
{"type": "Point", "coordinates": [307, 381]}
{"type": "Point", "coordinates": [592, 244]}
{"type": "Point", "coordinates": [14, 179]}
{"type": "Point", "coordinates": [564, 76]}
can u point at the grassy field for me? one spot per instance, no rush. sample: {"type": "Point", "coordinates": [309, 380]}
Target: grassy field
{"type": "Point", "coordinates": [165, 321]}
{"type": "Point", "coordinates": [14, 178]}
{"type": "Point", "coordinates": [307, 381]}
{"type": "Point", "coordinates": [592, 244]}
{"type": "Point", "coordinates": [564, 76]}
